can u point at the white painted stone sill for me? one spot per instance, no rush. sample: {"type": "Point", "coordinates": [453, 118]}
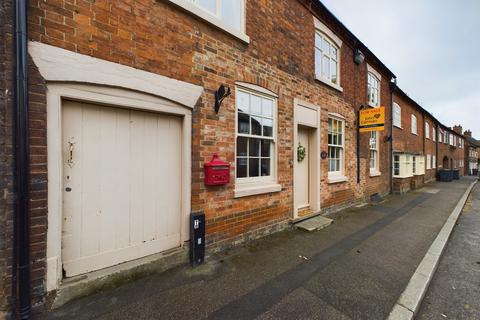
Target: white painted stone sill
{"type": "Point", "coordinates": [211, 19]}
{"type": "Point", "coordinates": [328, 83]}
{"type": "Point", "coordinates": [337, 179]}
{"type": "Point", "coordinates": [251, 190]}
{"type": "Point", "coordinates": [375, 173]}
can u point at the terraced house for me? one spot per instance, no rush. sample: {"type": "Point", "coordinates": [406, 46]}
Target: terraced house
{"type": "Point", "coordinates": [127, 102]}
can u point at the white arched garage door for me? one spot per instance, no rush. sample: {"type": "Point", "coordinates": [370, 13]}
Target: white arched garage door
{"type": "Point", "coordinates": [122, 185]}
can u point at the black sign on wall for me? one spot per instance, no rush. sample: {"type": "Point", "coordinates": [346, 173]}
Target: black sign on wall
{"type": "Point", "coordinates": [197, 238]}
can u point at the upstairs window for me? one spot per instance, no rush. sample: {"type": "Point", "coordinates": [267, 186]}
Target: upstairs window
{"type": "Point", "coordinates": [397, 115]}
{"type": "Point", "coordinates": [414, 124]}
{"type": "Point", "coordinates": [427, 130]}
{"type": "Point", "coordinates": [434, 134]}
{"type": "Point", "coordinates": [326, 59]}
{"type": "Point", "coordinates": [374, 159]}
{"type": "Point", "coordinates": [229, 12]}
{"type": "Point", "coordinates": [373, 90]}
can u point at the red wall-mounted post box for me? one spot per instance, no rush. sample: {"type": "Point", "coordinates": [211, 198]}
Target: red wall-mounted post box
{"type": "Point", "coordinates": [217, 172]}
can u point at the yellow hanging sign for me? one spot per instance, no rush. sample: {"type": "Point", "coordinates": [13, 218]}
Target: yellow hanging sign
{"type": "Point", "coordinates": [372, 119]}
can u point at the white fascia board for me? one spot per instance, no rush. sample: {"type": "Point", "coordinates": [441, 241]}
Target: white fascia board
{"type": "Point", "coordinates": [56, 64]}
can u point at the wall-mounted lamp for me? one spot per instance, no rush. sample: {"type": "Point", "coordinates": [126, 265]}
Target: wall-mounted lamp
{"type": "Point", "coordinates": [221, 94]}
{"type": "Point", "coordinates": [359, 57]}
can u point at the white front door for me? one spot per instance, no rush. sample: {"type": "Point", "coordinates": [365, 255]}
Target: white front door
{"type": "Point", "coordinates": [122, 185]}
{"type": "Point", "coordinates": [302, 172]}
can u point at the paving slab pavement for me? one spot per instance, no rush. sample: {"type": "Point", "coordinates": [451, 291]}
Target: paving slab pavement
{"type": "Point", "coordinates": [355, 269]}
{"type": "Point", "coordinates": [454, 292]}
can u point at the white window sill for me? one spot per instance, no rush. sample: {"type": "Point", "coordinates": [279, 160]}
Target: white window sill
{"type": "Point", "coordinates": [415, 134]}
{"type": "Point", "coordinates": [328, 83]}
{"type": "Point", "coordinates": [419, 174]}
{"type": "Point", "coordinates": [375, 173]}
{"type": "Point", "coordinates": [398, 127]}
{"type": "Point", "coordinates": [402, 177]}
{"type": "Point", "coordinates": [190, 7]}
{"type": "Point", "coordinates": [337, 178]}
{"type": "Point", "coordinates": [254, 189]}
{"type": "Point", "coordinates": [373, 105]}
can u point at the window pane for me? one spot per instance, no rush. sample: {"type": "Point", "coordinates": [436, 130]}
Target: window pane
{"type": "Point", "coordinates": [254, 147]}
{"type": "Point", "coordinates": [333, 71]}
{"type": "Point", "coordinates": [267, 108]}
{"type": "Point", "coordinates": [318, 41]}
{"type": "Point", "coordinates": [254, 167]}
{"type": "Point", "coordinates": [256, 126]}
{"type": "Point", "coordinates": [326, 46]}
{"type": "Point", "coordinates": [243, 123]}
{"type": "Point", "coordinates": [255, 105]}
{"type": "Point", "coordinates": [268, 127]}
{"type": "Point", "coordinates": [318, 62]}
{"type": "Point", "coordinates": [209, 5]}
{"type": "Point", "coordinates": [232, 13]}
{"type": "Point", "coordinates": [241, 167]}
{"type": "Point", "coordinates": [243, 102]}
{"type": "Point", "coordinates": [326, 67]}
{"type": "Point", "coordinates": [266, 144]}
{"type": "Point", "coordinates": [265, 167]}
{"type": "Point", "coordinates": [333, 52]}
{"type": "Point", "coordinates": [242, 146]}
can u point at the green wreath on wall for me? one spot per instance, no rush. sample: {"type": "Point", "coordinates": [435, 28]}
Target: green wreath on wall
{"type": "Point", "coordinates": [301, 152]}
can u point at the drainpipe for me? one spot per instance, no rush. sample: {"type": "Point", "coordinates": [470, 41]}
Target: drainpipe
{"type": "Point", "coordinates": [393, 87]}
{"type": "Point", "coordinates": [21, 237]}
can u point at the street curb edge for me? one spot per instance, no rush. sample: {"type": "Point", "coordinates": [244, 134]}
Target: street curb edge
{"type": "Point", "coordinates": [407, 305]}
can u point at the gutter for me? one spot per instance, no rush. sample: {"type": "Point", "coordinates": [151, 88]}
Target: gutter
{"type": "Point", "coordinates": [21, 220]}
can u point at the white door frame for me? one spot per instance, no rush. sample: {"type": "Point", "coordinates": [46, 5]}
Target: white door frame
{"type": "Point", "coordinates": [308, 115]}
{"type": "Point", "coordinates": [111, 97]}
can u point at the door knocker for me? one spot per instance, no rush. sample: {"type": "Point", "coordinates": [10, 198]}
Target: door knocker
{"type": "Point", "coordinates": [71, 145]}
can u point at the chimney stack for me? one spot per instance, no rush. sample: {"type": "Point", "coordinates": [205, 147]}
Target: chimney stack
{"type": "Point", "coordinates": [458, 129]}
{"type": "Point", "coordinates": [468, 133]}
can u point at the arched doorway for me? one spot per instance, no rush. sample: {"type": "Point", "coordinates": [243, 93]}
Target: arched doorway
{"type": "Point", "coordinates": [446, 163]}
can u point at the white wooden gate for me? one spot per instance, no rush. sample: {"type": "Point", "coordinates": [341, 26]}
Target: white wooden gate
{"type": "Point", "coordinates": [122, 185]}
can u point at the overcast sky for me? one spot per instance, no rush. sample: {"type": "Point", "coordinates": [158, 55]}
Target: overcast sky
{"type": "Point", "coordinates": [432, 46]}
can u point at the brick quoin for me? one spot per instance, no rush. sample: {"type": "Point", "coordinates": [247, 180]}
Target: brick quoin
{"type": "Point", "coordinates": [158, 37]}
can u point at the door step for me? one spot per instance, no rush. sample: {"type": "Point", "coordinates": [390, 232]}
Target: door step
{"type": "Point", "coordinates": [315, 223]}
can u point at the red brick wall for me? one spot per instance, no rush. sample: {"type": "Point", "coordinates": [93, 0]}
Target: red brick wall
{"type": "Point", "coordinates": [159, 38]}
{"type": "Point", "coordinates": [404, 139]}
{"type": "Point", "coordinates": [6, 200]}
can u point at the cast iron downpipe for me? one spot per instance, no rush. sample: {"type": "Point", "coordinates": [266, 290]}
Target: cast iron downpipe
{"type": "Point", "coordinates": [393, 87]}
{"type": "Point", "coordinates": [21, 237]}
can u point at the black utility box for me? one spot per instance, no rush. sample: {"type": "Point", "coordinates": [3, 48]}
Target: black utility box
{"type": "Point", "coordinates": [456, 174]}
{"type": "Point", "coordinates": [445, 175]}
{"type": "Point", "coordinates": [197, 238]}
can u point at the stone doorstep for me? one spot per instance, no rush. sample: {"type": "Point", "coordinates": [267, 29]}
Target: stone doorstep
{"type": "Point", "coordinates": [315, 223]}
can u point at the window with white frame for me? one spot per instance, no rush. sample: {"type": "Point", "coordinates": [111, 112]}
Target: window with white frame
{"type": "Point", "coordinates": [434, 134]}
{"type": "Point", "coordinates": [429, 162]}
{"type": "Point", "coordinates": [256, 137]}
{"type": "Point", "coordinates": [427, 130]}
{"type": "Point", "coordinates": [326, 59]}
{"type": "Point", "coordinates": [451, 139]}
{"type": "Point", "coordinates": [396, 165]}
{"type": "Point", "coordinates": [336, 143]}
{"type": "Point", "coordinates": [414, 164]}
{"type": "Point", "coordinates": [414, 124]}
{"type": "Point", "coordinates": [374, 154]}
{"type": "Point", "coordinates": [228, 11]}
{"type": "Point", "coordinates": [397, 115]}
{"type": "Point", "coordinates": [434, 162]}
{"type": "Point", "coordinates": [373, 90]}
